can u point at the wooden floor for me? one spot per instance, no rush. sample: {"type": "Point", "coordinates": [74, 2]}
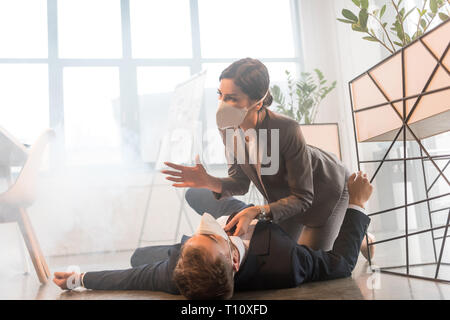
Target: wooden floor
{"type": "Point", "coordinates": [16, 285]}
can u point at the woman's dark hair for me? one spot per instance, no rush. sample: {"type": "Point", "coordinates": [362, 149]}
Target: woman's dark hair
{"type": "Point", "coordinates": [251, 76]}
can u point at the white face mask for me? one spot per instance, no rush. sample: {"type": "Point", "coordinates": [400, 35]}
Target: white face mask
{"type": "Point", "coordinates": [209, 225]}
{"type": "Point", "coordinates": [229, 116]}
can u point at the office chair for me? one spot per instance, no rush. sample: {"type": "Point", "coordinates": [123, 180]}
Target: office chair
{"type": "Point", "coordinates": [15, 201]}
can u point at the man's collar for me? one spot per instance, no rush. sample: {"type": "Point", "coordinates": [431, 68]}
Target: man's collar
{"type": "Point", "coordinates": [239, 244]}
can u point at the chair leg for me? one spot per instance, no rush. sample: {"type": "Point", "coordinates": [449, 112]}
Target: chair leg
{"type": "Point", "coordinates": [23, 253]}
{"type": "Point", "coordinates": [33, 246]}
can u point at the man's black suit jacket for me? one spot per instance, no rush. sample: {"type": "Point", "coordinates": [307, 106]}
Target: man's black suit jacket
{"type": "Point", "coordinates": [274, 261]}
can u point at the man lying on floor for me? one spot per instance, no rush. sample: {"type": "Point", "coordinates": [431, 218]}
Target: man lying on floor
{"type": "Point", "coordinates": [212, 265]}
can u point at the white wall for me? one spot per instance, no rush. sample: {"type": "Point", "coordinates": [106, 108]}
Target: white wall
{"type": "Point", "coordinates": [341, 55]}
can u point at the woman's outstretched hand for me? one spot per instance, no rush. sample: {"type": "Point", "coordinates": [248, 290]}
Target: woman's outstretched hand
{"type": "Point", "coordinates": [186, 176]}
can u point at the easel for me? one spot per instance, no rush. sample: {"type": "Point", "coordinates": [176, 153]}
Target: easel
{"type": "Point", "coordinates": [185, 116]}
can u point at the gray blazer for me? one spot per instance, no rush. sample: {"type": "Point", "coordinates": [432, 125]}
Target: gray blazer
{"type": "Point", "coordinates": [309, 181]}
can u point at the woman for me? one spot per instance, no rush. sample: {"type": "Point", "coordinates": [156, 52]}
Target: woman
{"type": "Point", "coordinates": [307, 196]}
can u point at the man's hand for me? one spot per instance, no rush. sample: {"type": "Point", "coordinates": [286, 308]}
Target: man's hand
{"type": "Point", "coordinates": [67, 280]}
{"type": "Point", "coordinates": [359, 189]}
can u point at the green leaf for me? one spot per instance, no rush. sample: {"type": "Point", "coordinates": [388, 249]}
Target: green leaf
{"type": "Point", "coordinates": [398, 43]}
{"type": "Point", "coordinates": [370, 39]}
{"type": "Point", "coordinates": [423, 23]}
{"type": "Point", "coordinates": [319, 74]}
{"type": "Point", "coordinates": [383, 9]}
{"type": "Point", "coordinates": [398, 29]}
{"type": "Point", "coordinates": [363, 16]}
{"type": "Point", "coordinates": [407, 38]}
{"type": "Point", "coordinates": [433, 6]}
{"type": "Point", "coordinates": [365, 4]}
{"type": "Point", "coordinates": [349, 15]}
{"type": "Point", "coordinates": [357, 3]}
{"type": "Point", "coordinates": [356, 27]}
{"type": "Point", "coordinates": [345, 21]}
{"type": "Point", "coordinates": [408, 13]}
{"type": "Point", "coordinates": [443, 16]}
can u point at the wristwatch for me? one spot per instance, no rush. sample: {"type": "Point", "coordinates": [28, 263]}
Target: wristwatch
{"type": "Point", "coordinates": [263, 215]}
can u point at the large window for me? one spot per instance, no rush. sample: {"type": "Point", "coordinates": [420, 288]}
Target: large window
{"type": "Point", "coordinates": [24, 99]}
{"type": "Point", "coordinates": [89, 29]}
{"type": "Point", "coordinates": [232, 28]}
{"type": "Point", "coordinates": [161, 29]}
{"type": "Point", "coordinates": [91, 116]}
{"type": "Point", "coordinates": [23, 29]}
{"type": "Point", "coordinates": [101, 72]}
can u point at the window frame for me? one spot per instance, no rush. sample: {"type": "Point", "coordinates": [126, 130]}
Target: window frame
{"type": "Point", "coordinates": [128, 65]}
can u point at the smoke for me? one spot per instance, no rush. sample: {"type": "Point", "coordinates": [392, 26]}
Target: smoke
{"type": "Point", "coordinates": [94, 189]}
{"type": "Point", "coordinates": [90, 208]}
{"type": "Point", "coordinates": [87, 205]}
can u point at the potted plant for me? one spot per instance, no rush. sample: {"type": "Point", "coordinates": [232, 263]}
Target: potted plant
{"type": "Point", "coordinates": [308, 92]}
{"type": "Point", "coordinates": [398, 36]}
{"type": "Point", "coordinates": [302, 104]}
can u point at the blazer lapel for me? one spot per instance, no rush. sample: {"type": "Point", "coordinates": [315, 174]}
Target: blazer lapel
{"type": "Point", "coordinates": [259, 246]}
{"type": "Point", "coordinates": [262, 147]}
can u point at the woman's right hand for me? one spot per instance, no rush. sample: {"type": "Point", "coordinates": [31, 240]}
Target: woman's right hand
{"type": "Point", "coordinates": [194, 177]}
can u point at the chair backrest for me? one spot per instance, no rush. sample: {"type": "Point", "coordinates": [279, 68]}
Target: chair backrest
{"type": "Point", "coordinates": [23, 191]}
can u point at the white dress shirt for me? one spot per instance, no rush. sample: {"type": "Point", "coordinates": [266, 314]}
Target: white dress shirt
{"type": "Point", "coordinates": [244, 238]}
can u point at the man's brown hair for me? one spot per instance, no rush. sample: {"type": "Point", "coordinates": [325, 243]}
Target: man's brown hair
{"type": "Point", "coordinates": [198, 276]}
